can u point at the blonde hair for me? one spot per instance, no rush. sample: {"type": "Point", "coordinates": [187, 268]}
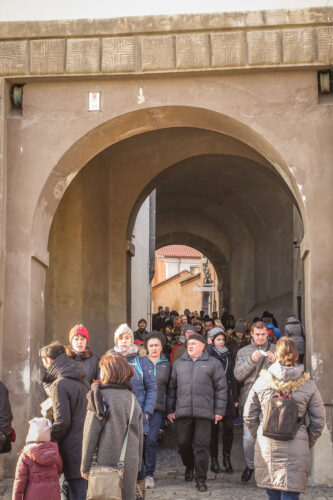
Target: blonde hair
{"type": "Point", "coordinates": [286, 351]}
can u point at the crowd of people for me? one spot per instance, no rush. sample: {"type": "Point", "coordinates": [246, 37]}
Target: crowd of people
{"type": "Point", "coordinates": [195, 371]}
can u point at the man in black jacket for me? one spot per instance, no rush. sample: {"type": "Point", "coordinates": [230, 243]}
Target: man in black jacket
{"type": "Point", "coordinates": [68, 392]}
{"type": "Point", "coordinates": [197, 396]}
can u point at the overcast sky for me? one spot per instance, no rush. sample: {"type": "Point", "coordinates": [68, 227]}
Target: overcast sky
{"type": "Point", "coordinates": [15, 10]}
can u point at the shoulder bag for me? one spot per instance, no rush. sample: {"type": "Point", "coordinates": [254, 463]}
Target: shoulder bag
{"type": "Point", "coordinates": [105, 483]}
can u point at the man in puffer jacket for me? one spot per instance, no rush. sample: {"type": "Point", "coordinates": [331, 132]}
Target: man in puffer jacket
{"type": "Point", "coordinates": [197, 396]}
{"type": "Point", "coordinates": [295, 331]}
{"type": "Point", "coordinates": [249, 362]}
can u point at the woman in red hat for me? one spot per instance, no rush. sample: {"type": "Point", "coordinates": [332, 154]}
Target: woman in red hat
{"type": "Point", "coordinates": [80, 352]}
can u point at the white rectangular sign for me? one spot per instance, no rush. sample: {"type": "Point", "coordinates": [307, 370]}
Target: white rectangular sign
{"type": "Point", "coordinates": [94, 101]}
{"type": "Point", "coordinates": [205, 288]}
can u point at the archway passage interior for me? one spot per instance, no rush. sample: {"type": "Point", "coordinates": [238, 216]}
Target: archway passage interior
{"type": "Point", "coordinates": [212, 192]}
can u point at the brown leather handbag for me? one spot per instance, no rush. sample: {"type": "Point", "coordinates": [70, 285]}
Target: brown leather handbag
{"type": "Point", "coordinates": [105, 483]}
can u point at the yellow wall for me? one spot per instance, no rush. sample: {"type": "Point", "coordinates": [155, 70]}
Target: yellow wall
{"type": "Point", "coordinates": [176, 295]}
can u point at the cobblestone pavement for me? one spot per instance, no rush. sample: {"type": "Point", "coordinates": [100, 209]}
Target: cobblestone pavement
{"type": "Point", "coordinates": [170, 484]}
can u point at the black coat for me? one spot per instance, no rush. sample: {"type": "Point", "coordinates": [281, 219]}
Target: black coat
{"type": "Point", "coordinates": [197, 388]}
{"type": "Point", "coordinates": [226, 360]}
{"type": "Point", "coordinates": [5, 414]}
{"type": "Point", "coordinates": [88, 361]}
{"type": "Point", "coordinates": [68, 392]}
{"type": "Point", "coordinates": [162, 371]}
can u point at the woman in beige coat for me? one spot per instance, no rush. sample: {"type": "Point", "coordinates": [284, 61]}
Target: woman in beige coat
{"type": "Point", "coordinates": [282, 467]}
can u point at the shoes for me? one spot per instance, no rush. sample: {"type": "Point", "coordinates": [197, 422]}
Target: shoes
{"type": "Point", "coordinates": [160, 436]}
{"type": "Point", "coordinates": [140, 490]}
{"type": "Point", "coordinates": [201, 485]}
{"type": "Point", "coordinates": [247, 474]}
{"type": "Point", "coordinates": [214, 467]}
{"type": "Point", "coordinates": [227, 464]}
{"type": "Point", "coordinates": [149, 482]}
{"type": "Point", "coordinates": [189, 474]}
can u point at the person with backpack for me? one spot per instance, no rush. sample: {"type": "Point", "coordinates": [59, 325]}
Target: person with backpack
{"type": "Point", "coordinates": [295, 330]}
{"type": "Point", "coordinates": [250, 360]}
{"type": "Point", "coordinates": [274, 332]}
{"type": "Point", "coordinates": [282, 449]}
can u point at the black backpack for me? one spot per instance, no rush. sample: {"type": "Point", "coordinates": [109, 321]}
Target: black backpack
{"type": "Point", "coordinates": [280, 417]}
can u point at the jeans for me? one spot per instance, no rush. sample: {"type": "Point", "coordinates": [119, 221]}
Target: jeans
{"type": "Point", "coordinates": [155, 423]}
{"type": "Point", "coordinates": [282, 495]}
{"type": "Point", "coordinates": [193, 441]}
{"type": "Point", "coordinates": [248, 447]}
{"type": "Point", "coordinates": [228, 434]}
{"type": "Point", "coordinates": [77, 489]}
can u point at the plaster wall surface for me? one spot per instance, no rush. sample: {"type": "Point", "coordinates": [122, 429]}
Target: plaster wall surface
{"type": "Point", "coordinates": [177, 293]}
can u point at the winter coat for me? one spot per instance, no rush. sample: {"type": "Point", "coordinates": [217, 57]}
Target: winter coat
{"type": "Point", "coordinates": [6, 418]}
{"type": "Point", "coordinates": [295, 331]}
{"type": "Point", "coordinates": [225, 360]}
{"type": "Point", "coordinates": [144, 385]}
{"type": "Point", "coordinates": [246, 370]}
{"type": "Point", "coordinates": [37, 471]}
{"type": "Point", "coordinates": [177, 351]}
{"type": "Point", "coordinates": [197, 388]}
{"type": "Point", "coordinates": [109, 434]}
{"type": "Point", "coordinates": [162, 372]}
{"type": "Point", "coordinates": [68, 393]}
{"type": "Point", "coordinates": [235, 343]}
{"type": "Point", "coordinates": [88, 362]}
{"type": "Point", "coordinates": [284, 465]}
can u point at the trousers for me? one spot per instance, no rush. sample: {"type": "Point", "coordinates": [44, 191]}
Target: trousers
{"type": "Point", "coordinates": [282, 495]}
{"type": "Point", "coordinates": [227, 436]}
{"type": "Point", "coordinates": [155, 423]}
{"type": "Point", "coordinates": [248, 447]}
{"type": "Point", "coordinates": [193, 442]}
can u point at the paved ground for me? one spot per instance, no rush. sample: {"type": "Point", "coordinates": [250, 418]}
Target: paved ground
{"type": "Point", "coordinates": [170, 484]}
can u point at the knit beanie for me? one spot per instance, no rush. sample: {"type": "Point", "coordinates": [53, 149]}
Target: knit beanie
{"type": "Point", "coordinates": [185, 328]}
{"type": "Point", "coordinates": [220, 332]}
{"type": "Point", "coordinates": [240, 326]}
{"type": "Point", "coordinates": [39, 430]}
{"type": "Point", "coordinates": [121, 330]}
{"type": "Point", "coordinates": [197, 336]}
{"type": "Point", "coordinates": [214, 331]}
{"type": "Point", "coordinates": [78, 330]}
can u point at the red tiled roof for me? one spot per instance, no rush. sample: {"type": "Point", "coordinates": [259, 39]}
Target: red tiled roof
{"type": "Point", "coordinates": [178, 251]}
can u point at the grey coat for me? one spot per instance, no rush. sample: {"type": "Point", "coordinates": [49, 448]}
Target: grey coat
{"type": "Point", "coordinates": [108, 437]}
{"type": "Point", "coordinates": [295, 331]}
{"type": "Point", "coordinates": [284, 465]}
{"type": "Point", "coordinates": [246, 370]}
{"type": "Point", "coordinates": [197, 388]}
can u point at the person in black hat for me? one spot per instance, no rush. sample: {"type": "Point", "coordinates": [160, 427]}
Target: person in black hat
{"type": "Point", "coordinates": [197, 396]}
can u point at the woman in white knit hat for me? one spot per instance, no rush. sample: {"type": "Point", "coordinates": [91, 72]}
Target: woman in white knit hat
{"type": "Point", "coordinates": [39, 465]}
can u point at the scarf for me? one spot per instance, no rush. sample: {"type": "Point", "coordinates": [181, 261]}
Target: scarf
{"type": "Point", "coordinates": [96, 402]}
{"type": "Point", "coordinates": [125, 351]}
{"type": "Point", "coordinates": [221, 351]}
{"type": "Point", "coordinates": [182, 339]}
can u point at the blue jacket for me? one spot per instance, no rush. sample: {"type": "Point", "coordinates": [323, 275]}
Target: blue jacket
{"type": "Point", "coordinates": [144, 385]}
{"type": "Point", "coordinates": [277, 331]}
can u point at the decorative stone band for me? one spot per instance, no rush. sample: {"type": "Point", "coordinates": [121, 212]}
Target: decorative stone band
{"type": "Point", "coordinates": [265, 39]}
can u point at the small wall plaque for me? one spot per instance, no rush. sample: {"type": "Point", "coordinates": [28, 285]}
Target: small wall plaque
{"type": "Point", "coordinates": [94, 101]}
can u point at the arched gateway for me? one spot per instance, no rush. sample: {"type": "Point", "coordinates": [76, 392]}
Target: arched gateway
{"type": "Point", "coordinates": [241, 168]}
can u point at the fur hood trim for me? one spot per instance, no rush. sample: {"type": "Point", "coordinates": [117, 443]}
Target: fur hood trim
{"type": "Point", "coordinates": [87, 353]}
{"type": "Point", "coordinates": [284, 385]}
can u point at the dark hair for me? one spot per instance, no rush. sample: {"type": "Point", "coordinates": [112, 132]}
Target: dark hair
{"type": "Point", "coordinates": [286, 351]}
{"type": "Point", "coordinates": [218, 334]}
{"type": "Point", "coordinates": [155, 335]}
{"type": "Point", "coordinates": [255, 319]}
{"type": "Point", "coordinates": [208, 319]}
{"type": "Point", "coordinates": [258, 324]}
{"type": "Point", "coordinates": [140, 321]}
{"type": "Point", "coordinates": [52, 350]}
{"type": "Point", "coordinates": [116, 369]}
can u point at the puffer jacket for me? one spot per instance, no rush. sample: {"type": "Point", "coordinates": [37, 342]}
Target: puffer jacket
{"type": "Point", "coordinates": [162, 371]}
{"type": "Point", "coordinates": [295, 331]}
{"type": "Point", "coordinates": [284, 465]}
{"type": "Point", "coordinates": [197, 388]}
{"type": "Point", "coordinates": [68, 392]}
{"type": "Point", "coordinates": [37, 471]}
{"type": "Point", "coordinates": [87, 360]}
{"type": "Point", "coordinates": [226, 361]}
{"type": "Point", "coordinates": [246, 370]}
